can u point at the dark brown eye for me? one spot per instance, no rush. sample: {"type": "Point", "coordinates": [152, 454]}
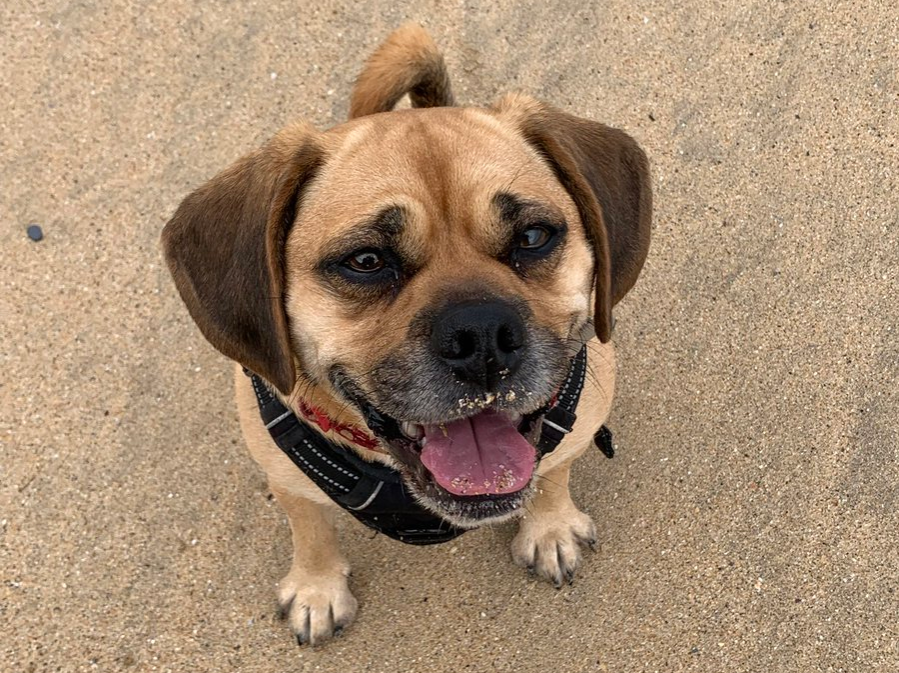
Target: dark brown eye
{"type": "Point", "coordinates": [365, 261]}
{"type": "Point", "coordinates": [534, 238]}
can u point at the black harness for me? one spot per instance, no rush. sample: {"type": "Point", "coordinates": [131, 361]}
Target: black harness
{"type": "Point", "coordinates": [375, 493]}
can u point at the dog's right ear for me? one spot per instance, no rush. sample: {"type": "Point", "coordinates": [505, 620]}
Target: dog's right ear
{"type": "Point", "coordinates": [224, 248]}
{"type": "Point", "coordinates": [607, 175]}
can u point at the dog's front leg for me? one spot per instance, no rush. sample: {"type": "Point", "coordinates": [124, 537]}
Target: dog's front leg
{"type": "Point", "coordinates": [314, 595]}
{"type": "Point", "coordinates": [552, 530]}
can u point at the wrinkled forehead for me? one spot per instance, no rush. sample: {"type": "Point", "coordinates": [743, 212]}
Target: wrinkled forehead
{"type": "Point", "coordinates": [444, 166]}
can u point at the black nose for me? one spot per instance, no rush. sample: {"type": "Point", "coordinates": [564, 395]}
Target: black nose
{"type": "Point", "coordinates": [482, 342]}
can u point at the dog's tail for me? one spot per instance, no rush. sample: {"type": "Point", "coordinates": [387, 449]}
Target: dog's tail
{"type": "Point", "coordinates": [407, 62]}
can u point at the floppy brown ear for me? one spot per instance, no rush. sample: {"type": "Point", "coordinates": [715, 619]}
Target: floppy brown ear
{"type": "Point", "coordinates": [607, 175]}
{"type": "Point", "coordinates": [224, 248]}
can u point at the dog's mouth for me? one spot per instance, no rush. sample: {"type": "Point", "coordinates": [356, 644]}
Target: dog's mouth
{"type": "Point", "coordinates": [468, 470]}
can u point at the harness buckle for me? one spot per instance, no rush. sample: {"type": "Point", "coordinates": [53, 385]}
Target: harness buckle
{"type": "Point", "coordinates": [603, 441]}
{"type": "Point", "coordinates": [557, 422]}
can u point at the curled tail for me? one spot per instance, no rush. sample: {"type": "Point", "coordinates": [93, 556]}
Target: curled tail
{"type": "Point", "coordinates": [408, 61]}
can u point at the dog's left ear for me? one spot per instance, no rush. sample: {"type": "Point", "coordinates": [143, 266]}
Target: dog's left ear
{"type": "Point", "coordinates": [607, 175]}
{"type": "Point", "coordinates": [225, 249]}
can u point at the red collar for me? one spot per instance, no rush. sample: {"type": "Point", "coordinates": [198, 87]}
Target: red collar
{"type": "Point", "coordinates": [350, 433]}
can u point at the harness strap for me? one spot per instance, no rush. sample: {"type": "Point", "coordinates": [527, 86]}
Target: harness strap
{"type": "Point", "coordinates": [559, 418]}
{"type": "Point", "coordinates": [373, 493]}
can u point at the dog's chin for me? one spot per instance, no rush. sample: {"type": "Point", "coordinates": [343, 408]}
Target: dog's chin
{"type": "Point", "coordinates": [497, 499]}
{"type": "Point", "coordinates": [473, 511]}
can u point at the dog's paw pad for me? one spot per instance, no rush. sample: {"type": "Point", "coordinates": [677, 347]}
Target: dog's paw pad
{"type": "Point", "coordinates": [317, 607]}
{"type": "Point", "coordinates": [549, 546]}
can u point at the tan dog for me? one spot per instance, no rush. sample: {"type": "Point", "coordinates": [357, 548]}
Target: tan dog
{"type": "Point", "coordinates": [440, 266]}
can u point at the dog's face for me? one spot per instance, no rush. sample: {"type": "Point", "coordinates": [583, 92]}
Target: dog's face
{"type": "Point", "coordinates": [432, 268]}
{"type": "Point", "coordinates": [438, 272]}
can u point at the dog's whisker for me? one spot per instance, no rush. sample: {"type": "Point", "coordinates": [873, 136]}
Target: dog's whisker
{"type": "Point", "coordinates": [540, 478]}
{"type": "Point", "coordinates": [521, 167]}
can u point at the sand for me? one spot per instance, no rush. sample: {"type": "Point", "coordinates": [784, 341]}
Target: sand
{"type": "Point", "coordinates": [749, 519]}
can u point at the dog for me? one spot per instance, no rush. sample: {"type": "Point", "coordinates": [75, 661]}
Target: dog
{"type": "Point", "coordinates": [410, 291]}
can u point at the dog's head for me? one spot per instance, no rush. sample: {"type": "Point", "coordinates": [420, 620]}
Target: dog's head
{"type": "Point", "coordinates": [433, 269]}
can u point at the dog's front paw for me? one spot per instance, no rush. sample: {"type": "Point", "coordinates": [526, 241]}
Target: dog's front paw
{"type": "Point", "coordinates": [317, 607]}
{"type": "Point", "coordinates": [549, 544]}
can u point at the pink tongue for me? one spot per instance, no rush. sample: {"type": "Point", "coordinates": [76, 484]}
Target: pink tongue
{"type": "Point", "coordinates": [479, 455]}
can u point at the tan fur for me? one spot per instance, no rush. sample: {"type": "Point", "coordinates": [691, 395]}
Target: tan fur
{"type": "Point", "coordinates": [407, 62]}
{"type": "Point", "coordinates": [285, 207]}
{"type": "Point", "coordinates": [451, 220]}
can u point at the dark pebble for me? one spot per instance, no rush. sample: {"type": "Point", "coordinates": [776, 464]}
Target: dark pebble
{"type": "Point", "coordinates": [35, 233]}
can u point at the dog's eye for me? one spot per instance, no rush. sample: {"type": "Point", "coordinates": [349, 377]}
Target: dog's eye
{"type": "Point", "coordinates": [534, 238]}
{"type": "Point", "coordinates": [365, 261]}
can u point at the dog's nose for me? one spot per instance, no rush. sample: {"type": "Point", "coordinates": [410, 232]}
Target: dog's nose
{"type": "Point", "coordinates": [482, 342]}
